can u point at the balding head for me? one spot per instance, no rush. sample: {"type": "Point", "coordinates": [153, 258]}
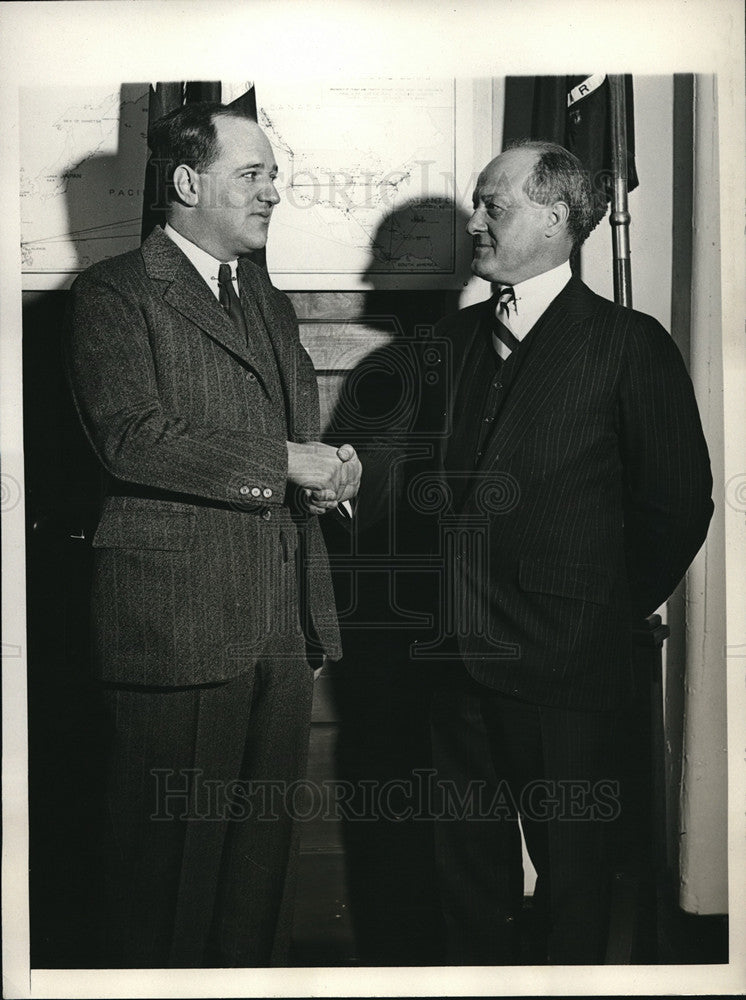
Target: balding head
{"type": "Point", "coordinates": [532, 206]}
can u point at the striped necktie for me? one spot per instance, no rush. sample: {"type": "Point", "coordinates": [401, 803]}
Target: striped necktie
{"type": "Point", "coordinates": [229, 300]}
{"type": "Point", "coordinates": [503, 338]}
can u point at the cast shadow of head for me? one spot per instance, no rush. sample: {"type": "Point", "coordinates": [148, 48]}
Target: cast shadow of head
{"type": "Point", "coordinates": [103, 206]}
{"type": "Point", "coordinates": [393, 378]}
{"type": "Point", "coordinates": [96, 227]}
{"type": "Point", "coordinates": [390, 407]}
{"type": "Point", "coordinates": [62, 502]}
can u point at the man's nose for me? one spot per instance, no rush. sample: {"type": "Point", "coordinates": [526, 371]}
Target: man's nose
{"type": "Point", "coordinates": [476, 223]}
{"type": "Point", "coordinates": [270, 194]}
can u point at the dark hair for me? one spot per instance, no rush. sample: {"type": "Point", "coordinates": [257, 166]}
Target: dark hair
{"type": "Point", "coordinates": [187, 135]}
{"type": "Point", "coordinates": [558, 175]}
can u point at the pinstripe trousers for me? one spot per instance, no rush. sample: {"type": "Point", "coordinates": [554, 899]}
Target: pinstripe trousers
{"type": "Point", "coordinates": [498, 759]}
{"type": "Point", "coordinates": [199, 849]}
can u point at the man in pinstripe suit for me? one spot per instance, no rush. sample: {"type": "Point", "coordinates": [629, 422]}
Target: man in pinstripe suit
{"type": "Point", "coordinates": [210, 572]}
{"type": "Point", "coordinates": [577, 452]}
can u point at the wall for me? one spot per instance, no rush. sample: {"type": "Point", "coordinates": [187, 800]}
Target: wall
{"type": "Point", "coordinates": [703, 868]}
{"type": "Point", "coordinates": [675, 263]}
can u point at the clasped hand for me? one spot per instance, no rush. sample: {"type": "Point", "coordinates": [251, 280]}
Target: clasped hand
{"type": "Point", "coordinates": [327, 475]}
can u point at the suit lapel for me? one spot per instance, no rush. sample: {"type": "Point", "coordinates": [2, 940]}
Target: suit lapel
{"type": "Point", "coordinates": [467, 342]}
{"type": "Point", "coordinates": [297, 376]}
{"type": "Point", "coordinates": [186, 292]}
{"type": "Point", "coordinates": [469, 352]}
{"type": "Point", "coordinates": [255, 295]}
{"type": "Point", "coordinates": [558, 337]}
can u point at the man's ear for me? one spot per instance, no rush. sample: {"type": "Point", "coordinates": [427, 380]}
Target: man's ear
{"type": "Point", "coordinates": [558, 217]}
{"type": "Point", "coordinates": [186, 185]}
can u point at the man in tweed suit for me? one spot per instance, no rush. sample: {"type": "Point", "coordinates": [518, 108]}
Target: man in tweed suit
{"type": "Point", "coordinates": [576, 454]}
{"type": "Point", "coordinates": [210, 572]}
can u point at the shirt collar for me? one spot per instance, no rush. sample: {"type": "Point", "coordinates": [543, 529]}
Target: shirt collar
{"type": "Point", "coordinates": [204, 262]}
{"type": "Point", "coordinates": [533, 295]}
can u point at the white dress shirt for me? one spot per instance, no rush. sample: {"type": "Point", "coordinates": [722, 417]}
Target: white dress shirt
{"type": "Point", "coordinates": [533, 296]}
{"type": "Point", "coordinates": [204, 262]}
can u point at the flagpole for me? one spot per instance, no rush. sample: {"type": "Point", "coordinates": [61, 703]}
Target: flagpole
{"type": "Point", "coordinates": [620, 217]}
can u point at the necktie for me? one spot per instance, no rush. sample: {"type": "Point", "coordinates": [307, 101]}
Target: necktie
{"type": "Point", "coordinates": [229, 300]}
{"type": "Point", "coordinates": [503, 338]}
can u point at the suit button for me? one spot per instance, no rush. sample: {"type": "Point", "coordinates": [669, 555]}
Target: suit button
{"type": "Point", "coordinates": [256, 492]}
{"type": "Point", "coordinates": [267, 493]}
{"type": "Point", "coordinates": [243, 490]}
{"type": "Point", "coordinates": [497, 384]}
{"type": "Point", "coordinates": [252, 376]}
{"type": "Point", "coordinates": [267, 515]}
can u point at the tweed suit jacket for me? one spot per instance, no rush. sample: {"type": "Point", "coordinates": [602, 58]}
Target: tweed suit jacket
{"type": "Point", "coordinates": [591, 498]}
{"type": "Point", "coordinates": [199, 530]}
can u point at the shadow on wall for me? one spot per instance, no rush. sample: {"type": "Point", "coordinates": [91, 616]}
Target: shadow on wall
{"type": "Point", "coordinates": [391, 407]}
{"type": "Point", "coordinates": [62, 481]}
{"type": "Point", "coordinates": [62, 502]}
{"type": "Point", "coordinates": [104, 193]}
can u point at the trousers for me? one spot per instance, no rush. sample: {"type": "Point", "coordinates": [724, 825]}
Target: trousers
{"type": "Point", "coordinates": [501, 762]}
{"type": "Point", "coordinates": [199, 849]}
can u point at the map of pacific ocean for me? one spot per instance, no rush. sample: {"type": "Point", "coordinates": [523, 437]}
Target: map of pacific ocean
{"type": "Point", "coordinates": [83, 156]}
{"type": "Point", "coordinates": [366, 176]}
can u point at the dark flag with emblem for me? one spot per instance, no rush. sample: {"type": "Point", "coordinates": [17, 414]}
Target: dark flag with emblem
{"type": "Point", "coordinates": [574, 111]}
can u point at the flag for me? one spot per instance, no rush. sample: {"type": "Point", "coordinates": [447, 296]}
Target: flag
{"type": "Point", "coordinates": [574, 111]}
{"type": "Point", "coordinates": [246, 102]}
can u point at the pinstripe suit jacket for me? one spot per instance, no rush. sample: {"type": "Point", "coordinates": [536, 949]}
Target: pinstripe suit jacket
{"type": "Point", "coordinates": [198, 532]}
{"type": "Point", "coordinates": [591, 499]}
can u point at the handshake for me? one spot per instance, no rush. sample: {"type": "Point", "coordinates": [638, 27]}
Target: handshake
{"type": "Point", "coordinates": [328, 476]}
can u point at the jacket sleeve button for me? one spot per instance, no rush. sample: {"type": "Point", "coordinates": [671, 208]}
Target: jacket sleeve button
{"type": "Point", "coordinates": [243, 490]}
{"type": "Point", "coordinates": [267, 493]}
